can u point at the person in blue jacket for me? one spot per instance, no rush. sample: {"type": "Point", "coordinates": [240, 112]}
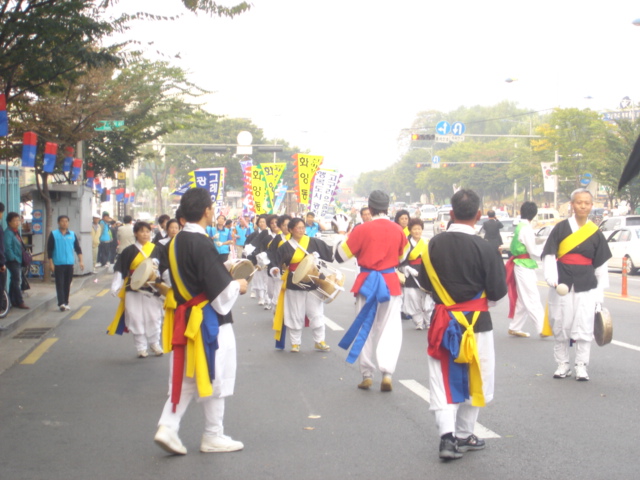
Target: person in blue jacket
{"type": "Point", "coordinates": [222, 237]}
{"type": "Point", "coordinates": [61, 245]}
{"type": "Point", "coordinates": [13, 248]}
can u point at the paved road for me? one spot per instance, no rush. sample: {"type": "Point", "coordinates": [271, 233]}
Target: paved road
{"type": "Point", "coordinates": [87, 407]}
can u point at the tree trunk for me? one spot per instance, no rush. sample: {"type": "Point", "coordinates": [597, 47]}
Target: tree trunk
{"type": "Point", "coordinates": [46, 198]}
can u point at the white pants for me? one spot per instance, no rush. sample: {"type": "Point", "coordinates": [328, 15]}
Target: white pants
{"type": "Point", "coordinates": [571, 318]}
{"type": "Point", "coordinates": [385, 338]}
{"type": "Point", "coordinates": [297, 305]}
{"type": "Point", "coordinates": [259, 283]}
{"type": "Point", "coordinates": [273, 290]}
{"type": "Point", "coordinates": [460, 418]}
{"type": "Point", "coordinates": [143, 317]}
{"type": "Point", "coordinates": [418, 304]}
{"type": "Point", "coordinates": [223, 386]}
{"type": "Point", "coordinates": [528, 305]}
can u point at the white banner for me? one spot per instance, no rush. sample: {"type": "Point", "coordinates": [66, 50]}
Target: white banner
{"type": "Point", "coordinates": [548, 176]}
{"type": "Point", "coordinates": [325, 184]}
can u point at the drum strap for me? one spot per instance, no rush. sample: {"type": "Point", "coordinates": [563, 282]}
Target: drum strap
{"type": "Point", "coordinates": [278, 318]}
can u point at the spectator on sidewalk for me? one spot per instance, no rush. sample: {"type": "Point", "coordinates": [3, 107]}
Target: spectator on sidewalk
{"type": "Point", "coordinates": [105, 240]}
{"type": "Point", "coordinates": [61, 245]}
{"type": "Point", "coordinates": [3, 260]}
{"type": "Point", "coordinates": [13, 249]}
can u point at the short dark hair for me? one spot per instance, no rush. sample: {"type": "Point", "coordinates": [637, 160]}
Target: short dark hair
{"type": "Point", "coordinates": [528, 210]}
{"type": "Point", "coordinates": [163, 218]}
{"type": "Point", "coordinates": [140, 225]}
{"type": "Point", "coordinates": [491, 214]}
{"type": "Point", "coordinates": [194, 203]}
{"type": "Point", "coordinates": [1, 207]}
{"type": "Point", "coordinates": [294, 221]}
{"type": "Point", "coordinates": [377, 211]}
{"type": "Point", "coordinates": [362, 210]}
{"type": "Point", "coordinates": [400, 213]}
{"type": "Point", "coordinates": [282, 218]}
{"type": "Point", "coordinates": [465, 204]}
{"type": "Point", "coordinates": [179, 214]}
{"type": "Point", "coordinates": [415, 221]}
{"type": "Point", "coordinates": [311, 214]}
{"type": "Point", "coordinates": [127, 219]}
{"type": "Point", "coordinates": [271, 218]}
{"type": "Point", "coordinates": [11, 216]}
{"type": "Point", "coordinates": [60, 217]}
{"type": "Point", "coordinates": [173, 220]}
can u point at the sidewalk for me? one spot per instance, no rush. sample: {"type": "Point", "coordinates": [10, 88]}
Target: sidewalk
{"type": "Point", "coordinates": [40, 298]}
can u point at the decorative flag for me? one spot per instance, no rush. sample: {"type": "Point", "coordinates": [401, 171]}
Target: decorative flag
{"type": "Point", "coordinates": [258, 190]}
{"type": "Point", "coordinates": [272, 175]}
{"type": "Point", "coordinates": [68, 159]}
{"type": "Point", "coordinates": [89, 182]}
{"type": "Point", "coordinates": [246, 165]}
{"type": "Point", "coordinates": [548, 176]}
{"type": "Point", "coordinates": [211, 179]}
{"type": "Point", "coordinates": [119, 195]}
{"type": "Point", "coordinates": [132, 197]}
{"type": "Point", "coordinates": [305, 169]}
{"type": "Point", "coordinates": [126, 197]}
{"type": "Point", "coordinates": [181, 190]}
{"type": "Point", "coordinates": [325, 185]}
{"type": "Point", "coordinates": [76, 169]}
{"type": "Point", "coordinates": [50, 152]}
{"type": "Point", "coordinates": [29, 145]}
{"type": "Point", "coordinates": [106, 195]}
{"type": "Point", "coordinates": [280, 193]}
{"type": "Point", "coordinates": [4, 119]}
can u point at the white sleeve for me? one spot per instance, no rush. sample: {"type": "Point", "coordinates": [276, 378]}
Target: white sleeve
{"type": "Point", "coordinates": [116, 283]}
{"type": "Point", "coordinates": [550, 268]}
{"type": "Point", "coordinates": [528, 238]}
{"type": "Point", "coordinates": [602, 274]}
{"type": "Point", "coordinates": [222, 303]}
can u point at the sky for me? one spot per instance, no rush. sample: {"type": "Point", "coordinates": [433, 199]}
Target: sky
{"type": "Point", "coordinates": [343, 78]}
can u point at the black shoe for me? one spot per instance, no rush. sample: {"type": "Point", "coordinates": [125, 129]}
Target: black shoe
{"type": "Point", "coordinates": [404, 316]}
{"type": "Point", "coordinates": [449, 449]}
{"type": "Point", "coordinates": [470, 443]}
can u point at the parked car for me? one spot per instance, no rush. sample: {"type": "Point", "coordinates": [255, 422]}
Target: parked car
{"type": "Point", "coordinates": [545, 217]}
{"type": "Point", "coordinates": [542, 234]}
{"type": "Point", "coordinates": [428, 213]}
{"type": "Point", "coordinates": [625, 242]}
{"type": "Point", "coordinates": [609, 225]}
{"type": "Point", "coordinates": [440, 225]}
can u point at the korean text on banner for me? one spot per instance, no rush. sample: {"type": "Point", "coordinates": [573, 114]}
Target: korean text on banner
{"type": "Point", "coordinates": [272, 175]}
{"type": "Point", "coordinates": [306, 167]}
{"type": "Point", "coordinates": [325, 185]}
{"type": "Point", "coordinates": [258, 190]}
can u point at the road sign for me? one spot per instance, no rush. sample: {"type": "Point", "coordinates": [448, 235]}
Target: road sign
{"type": "Point", "coordinates": [443, 127]}
{"type": "Point", "coordinates": [435, 162]}
{"type": "Point", "coordinates": [458, 128]}
{"type": "Point", "coordinates": [443, 138]}
{"type": "Point", "coordinates": [586, 179]}
{"type": "Point", "coordinates": [109, 125]}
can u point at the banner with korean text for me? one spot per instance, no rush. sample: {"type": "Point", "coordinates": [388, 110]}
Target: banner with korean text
{"type": "Point", "coordinates": [259, 191]}
{"type": "Point", "coordinates": [325, 185]}
{"type": "Point", "coordinates": [304, 171]}
{"type": "Point", "coordinates": [272, 174]}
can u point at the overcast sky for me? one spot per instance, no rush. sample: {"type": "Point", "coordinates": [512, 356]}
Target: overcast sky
{"type": "Point", "coordinates": [342, 78]}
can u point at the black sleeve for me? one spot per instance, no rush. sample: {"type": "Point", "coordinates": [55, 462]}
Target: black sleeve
{"type": "Point", "coordinates": [160, 253]}
{"type": "Point", "coordinates": [495, 275]}
{"type": "Point", "coordinates": [500, 225]}
{"type": "Point", "coordinates": [76, 246]}
{"type": "Point", "coordinates": [50, 245]}
{"type": "Point", "coordinates": [324, 250]}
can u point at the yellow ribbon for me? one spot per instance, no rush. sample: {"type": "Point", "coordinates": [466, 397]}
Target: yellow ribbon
{"type": "Point", "coordinates": [576, 238]}
{"type": "Point", "coordinates": [468, 345]}
{"type": "Point", "coordinates": [278, 317]}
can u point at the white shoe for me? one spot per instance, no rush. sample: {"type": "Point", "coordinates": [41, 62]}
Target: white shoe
{"type": "Point", "coordinates": [62, 308]}
{"type": "Point", "coordinates": [97, 265]}
{"type": "Point", "coordinates": [220, 443]}
{"type": "Point", "coordinates": [168, 440]}
{"type": "Point", "coordinates": [156, 349]}
{"type": "Point", "coordinates": [581, 372]}
{"type": "Point", "coordinates": [261, 301]}
{"type": "Point", "coordinates": [142, 354]}
{"type": "Point", "coordinates": [420, 327]}
{"type": "Point", "coordinates": [267, 306]}
{"type": "Point", "coordinates": [562, 371]}
{"type": "Point", "coordinates": [253, 294]}
{"type": "Point", "coordinates": [67, 307]}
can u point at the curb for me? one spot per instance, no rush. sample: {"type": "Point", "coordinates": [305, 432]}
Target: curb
{"type": "Point", "coordinates": [46, 301]}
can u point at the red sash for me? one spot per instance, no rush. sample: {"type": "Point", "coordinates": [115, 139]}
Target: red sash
{"type": "Point", "coordinates": [575, 259]}
{"type": "Point", "coordinates": [511, 283]}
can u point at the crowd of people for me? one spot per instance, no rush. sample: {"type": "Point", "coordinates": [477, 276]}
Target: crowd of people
{"type": "Point", "coordinates": [447, 285]}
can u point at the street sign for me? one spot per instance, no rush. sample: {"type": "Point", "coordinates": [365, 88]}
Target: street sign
{"type": "Point", "coordinates": [443, 138]}
{"type": "Point", "coordinates": [109, 125]}
{"type": "Point", "coordinates": [443, 127]}
{"type": "Point", "coordinates": [458, 128]}
{"type": "Point", "coordinates": [435, 162]}
{"type": "Point", "coordinates": [586, 179]}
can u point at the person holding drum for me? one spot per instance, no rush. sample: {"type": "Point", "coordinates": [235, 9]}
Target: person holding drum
{"type": "Point", "coordinates": [259, 284]}
{"type": "Point", "coordinates": [299, 302]}
{"type": "Point", "coordinates": [284, 235]}
{"type": "Point", "coordinates": [576, 255]}
{"type": "Point", "coordinates": [417, 304]}
{"type": "Point", "coordinates": [262, 257]}
{"type": "Point", "coordinates": [379, 245]}
{"type": "Point", "coordinates": [139, 312]}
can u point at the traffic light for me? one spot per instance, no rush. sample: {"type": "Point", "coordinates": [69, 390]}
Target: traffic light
{"type": "Point", "coordinates": [445, 165]}
{"type": "Point", "coordinates": [415, 137]}
{"type": "Point", "coordinates": [418, 165]}
{"type": "Point", "coordinates": [473, 165]}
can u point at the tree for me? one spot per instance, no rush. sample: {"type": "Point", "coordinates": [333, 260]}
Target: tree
{"type": "Point", "coordinates": [621, 138]}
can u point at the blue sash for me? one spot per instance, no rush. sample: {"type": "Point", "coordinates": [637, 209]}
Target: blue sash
{"type": "Point", "coordinates": [375, 290]}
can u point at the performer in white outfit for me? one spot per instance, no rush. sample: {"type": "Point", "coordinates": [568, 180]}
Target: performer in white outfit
{"type": "Point", "coordinates": [524, 297]}
{"type": "Point", "coordinates": [575, 254]}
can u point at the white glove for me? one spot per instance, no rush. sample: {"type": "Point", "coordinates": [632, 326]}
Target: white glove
{"type": "Point", "coordinates": [116, 284]}
{"type": "Point", "coordinates": [598, 307]}
{"type": "Point", "coordinates": [341, 221]}
{"type": "Point", "coordinates": [275, 272]}
{"type": "Point", "coordinates": [263, 259]}
{"type": "Point", "coordinates": [409, 270]}
{"type": "Point", "coordinates": [599, 295]}
{"type": "Point", "coordinates": [248, 249]}
{"type": "Point", "coordinates": [316, 254]}
{"type": "Point", "coordinates": [552, 282]}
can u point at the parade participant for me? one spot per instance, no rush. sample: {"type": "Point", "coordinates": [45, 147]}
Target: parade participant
{"type": "Point", "coordinates": [61, 245]}
{"type": "Point", "coordinates": [465, 274]}
{"type": "Point", "coordinates": [181, 220]}
{"type": "Point", "coordinates": [402, 218]}
{"type": "Point", "coordinates": [197, 318]}
{"type": "Point", "coordinates": [491, 230]}
{"type": "Point", "coordinates": [222, 237]}
{"type": "Point", "coordinates": [105, 240]}
{"type": "Point", "coordinates": [416, 303]}
{"type": "Point", "coordinates": [13, 251]}
{"type": "Point", "coordinates": [575, 254]}
{"type": "Point", "coordinates": [162, 228]}
{"type": "Point", "coordinates": [173, 227]}
{"type": "Point", "coordinates": [265, 240]}
{"type": "Point", "coordinates": [365, 214]}
{"type": "Point", "coordinates": [3, 258]}
{"type": "Point", "coordinates": [298, 301]}
{"type": "Point", "coordinates": [379, 245]}
{"type": "Point", "coordinates": [241, 230]}
{"type": "Point", "coordinates": [125, 234]}
{"type": "Point", "coordinates": [522, 282]}
{"type": "Point", "coordinates": [139, 312]}
{"type": "Point", "coordinates": [311, 226]}
{"type": "Point", "coordinates": [96, 231]}
{"type": "Point", "coordinates": [259, 283]}
{"type": "Point", "coordinates": [284, 235]}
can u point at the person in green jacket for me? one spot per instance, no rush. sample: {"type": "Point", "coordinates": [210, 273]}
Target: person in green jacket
{"type": "Point", "coordinates": [13, 248]}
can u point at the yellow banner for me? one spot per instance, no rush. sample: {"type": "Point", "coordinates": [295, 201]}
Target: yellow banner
{"type": "Point", "coordinates": [259, 190]}
{"type": "Point", "coordinates": [272, 175]}
{"type": "Point", "coordinates": [307, 167]}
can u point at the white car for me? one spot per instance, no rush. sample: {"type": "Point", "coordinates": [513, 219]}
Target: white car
{"type": "Point", "coordinates": [610, 224]}
{"type": "Point", "coordinates": [625, 242]}
{"type": "Point", "coordinates": [428, 213]}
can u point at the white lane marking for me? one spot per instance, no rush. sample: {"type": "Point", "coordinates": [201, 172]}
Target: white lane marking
{"type": "Point", "coordinates": [332, 325]}
{"type": "Point", "coordinates": [626, 345]}
{"type": "Point", "coordinates": [423, 392]}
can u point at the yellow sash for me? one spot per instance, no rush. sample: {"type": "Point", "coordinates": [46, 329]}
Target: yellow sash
{"type": "Point", "coordinates": [576, 238]}
{"type": "Point", "coordinates": [468, 346]}
{"type": "Point", "coordinates": [418, 250]}
{"type": "Point", "coordinates": [278, 318]}
{"type": "Point", "coordinates": [406, 231]}
{"type": "Point", "coordinates": [147, 248]}
{"type": "Point", "coordinates": [196, 358]}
